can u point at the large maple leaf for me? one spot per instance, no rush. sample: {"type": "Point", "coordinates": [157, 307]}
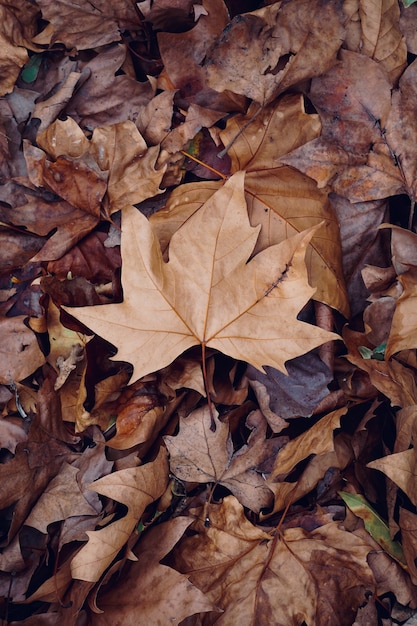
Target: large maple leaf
{"type": "Point", "coordinates": [208, 293]}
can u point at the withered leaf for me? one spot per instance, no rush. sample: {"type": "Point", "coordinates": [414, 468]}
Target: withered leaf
{"type": "Point", "coordinates": [202, 455]}
{"type": "Point", "coordinates": [244, 569]}
{"type": "Point", "coordinates": [136, 487]}
{"type": "Point", "coordinates": [207, 294]}
{"type": "Point", "coordinates": [151, 593]}
{"type": "Point", "coordinates": [260, 54]}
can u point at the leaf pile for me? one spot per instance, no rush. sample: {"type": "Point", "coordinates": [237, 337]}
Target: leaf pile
{"type": "Point", "coordinates": [208, 289]}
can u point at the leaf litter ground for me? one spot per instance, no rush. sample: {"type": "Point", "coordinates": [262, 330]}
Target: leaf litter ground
{"type": "Point", "coordinates": [208, 358]}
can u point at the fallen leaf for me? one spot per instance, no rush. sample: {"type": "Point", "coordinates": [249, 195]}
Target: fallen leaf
{"type": "Point", "coordinates": [283, 202]}
{"type": "Point", "coordinates": [200, 296]}
{"type": "Point", "coordinates": [20, 352]}
{"type": "Point", "coordinates": [401, 469]}
{"type": "Point", "coordinates": [320, 576]}
{"type": "Point", "coordinates": [382, 39]}
{"type": "Point", "coordinates": [62, 498]}
{"type": "Point", "coordinates": [318, 439]}
{"type": "Point", "coordinates": [84, 25]}
{"type": "Point", "coordinates": [200, 454]}
{"type": "Point", "coordinates": [299, 393]}
{"type": "Point", "coordinates": [17, 29]}
{"type": "Point", "coordinates": [263, 53]}
{"type": "Point", "coordinates": [151, 593]}
{"type": "Point", "coordinates": [374, 524]}
{"type": "Point", "coordinates": [134, 487]}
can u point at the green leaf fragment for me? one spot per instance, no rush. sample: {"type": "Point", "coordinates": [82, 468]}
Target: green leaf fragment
{"type": "Point", "coordinates": [408, 3]}
{"type": "Point", "coordinates": [31, 69]}
{"type": "Point", "coordinates": [375, 525]}
{"type": "Point", "coordinates": [377, 353]}
{"type": "Point", "coordinates": [366, 353]}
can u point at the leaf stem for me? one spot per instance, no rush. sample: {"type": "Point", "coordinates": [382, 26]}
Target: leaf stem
{"type": "Point", "coordinates": [206, 386]}
{"type": "Point", "coordinates": [211, 169]}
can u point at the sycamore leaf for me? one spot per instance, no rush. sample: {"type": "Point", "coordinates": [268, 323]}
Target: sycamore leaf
{"type": "Point", "coordinates": [208, 294]}
{"type": "Point", "coordinates": [202, 455]}
{"type": "Point", "coordinates": [317, 576]}
{"type": "Point", "coordinates": [279, 198]}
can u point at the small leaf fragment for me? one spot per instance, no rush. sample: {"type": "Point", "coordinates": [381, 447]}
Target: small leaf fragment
{"type": "Point", "coordinates": [374, 524]}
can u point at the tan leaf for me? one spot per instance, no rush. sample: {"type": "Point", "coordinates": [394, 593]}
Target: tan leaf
{"type": "Point", "coordinates": [200, 454]}
{"type": "Point", "coordinates": [19, 350]}
{"type": "Point", "coordinates": [134, 487]}
{"type": "Point", "coordinates": [202, 295]}
{"type": "Point", "coordinates": [403, 333]}
{"type": "Point", "coordinates": [382, 39]}
{"type": "Point", "coordinates": [121, 149]}
{"type": "Point", "coordinates": [289, 492]}
{"type": "Point", "coordinates": [279, 199]}
{"type": "Point", "coordinates": [401, 469]}
{"type": "Point", "coordinates": [63, 137]}
{"type": "Point", "coordinates": [316, 440]}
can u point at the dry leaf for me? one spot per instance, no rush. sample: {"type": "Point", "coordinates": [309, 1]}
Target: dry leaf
{"type": "Point", "coordinates": [135, 487]}
{"type": "Point", "coordinates": [151, 593]}
{"type": "Point", "coordinates": [401, 469]}
{"type": "Point", "coordinates": [382, 39]}
{"type": "Point", "coordinates": [200, 454]}
{"type": "Point", "coordinates": [263, 53]}
{"type": "Point", "coordinates": [20, 352]}
{"type": "Point", "coordinates": [320, 576]}
{"type": "Point", "coordinates": [201, 295]}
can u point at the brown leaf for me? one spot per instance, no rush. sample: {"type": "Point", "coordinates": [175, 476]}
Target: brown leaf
{"type": "Point", "coordinates": [283, 202]}
{"type": "Point", "coordinates": [344, 98]}
{"type": "Point", "coordinates": [320, 576]}
{"type": "Point", "coordinates": [106, 97]}
{"type": "Point", "coordinates": [389, 377]}
{"type": "Point", "coordinates": [360, 246]}
{"type": "Point", "coordinates": [81, 184]}
{"type": "Point", "coordinates": [200, 295]}
{"type": "Point", "coordinates": [183, 53]}
{"type": "Point", "coordinates": [23, 479]}
{"type": "Point", "coordinates": [263, 53]}
{"type": "Point", "coordinates": [151, 593]}
{"type": "Point", "coordinates": [134, 487]}
{"type": "Point", "coordinates": [200, 454]}
{"type": "Point", "coordinates": [17, 19]}
{"type": "Point", "coordinates": [140, 417]}
{"type": "Point", "coordinates": [62, 498]}
{"type": "Point", "coordinates": [403, 333]}
{"type": "Point", "coordinates": [299, 393]}
{"type": "Point", "coordinates": [84, 25]}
